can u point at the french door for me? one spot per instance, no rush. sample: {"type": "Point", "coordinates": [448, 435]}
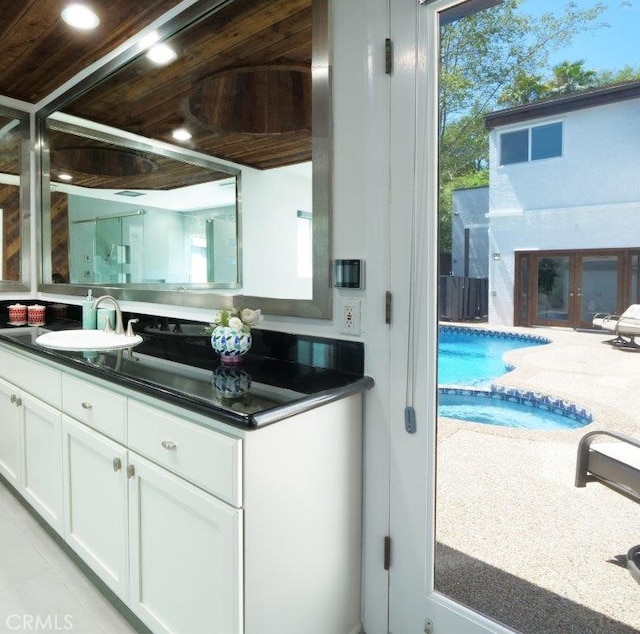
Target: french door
{"type": "Point", "coordinates": [567, 288]}
{"type": "Point", "coordinates": [439, 534]}
{"type": "Point", "coordinates": [415, 603]}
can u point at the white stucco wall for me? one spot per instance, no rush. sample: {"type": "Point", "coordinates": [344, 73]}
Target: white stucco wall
{"type": "Point", "coordinates": [587, 199]}
{"type": "Point", "coordinates": [470, 207]}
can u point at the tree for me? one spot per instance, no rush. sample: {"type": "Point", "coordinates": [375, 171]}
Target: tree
{"type": "Point", "coordinates": [524, 89]}
{"type": "Point", "coordinates": [481, 56]}
{"type": "Point", "coordinates": [570, 77]}
{"type": "Point", "coordinates": [607, 77]}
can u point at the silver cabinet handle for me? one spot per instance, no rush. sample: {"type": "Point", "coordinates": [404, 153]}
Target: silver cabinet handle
{"type": "Point", "coordinates": [18, 402]}
{"type": "Point", "coordinates": [131, 471]}
{"type": "Point", "coordinates": [169, 444]}
{"type": "Point", "coordinates": [13, 398]}
{"type": "Point", "coordinates": [86, 405]}
{"type": "Point", "coordinates": [117, 464]}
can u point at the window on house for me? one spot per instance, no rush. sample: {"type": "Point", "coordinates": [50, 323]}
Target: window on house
{"type": "Point", "coordinates": [531, 144]}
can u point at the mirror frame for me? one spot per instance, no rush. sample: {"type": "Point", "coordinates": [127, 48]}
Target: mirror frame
{"type": "Point", "coordinates": [27, 168]}
{"type": "Point", "coordinates": [320, 306]}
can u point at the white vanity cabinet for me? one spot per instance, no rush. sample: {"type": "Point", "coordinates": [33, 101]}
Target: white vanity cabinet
{"type": "Point", "coordinates": [96, 502]}
{"type": "Point", "coordinates": [30, 434]}
{"type": "Point", "coordinates": [186, 555]}
{"type": "Point", "coordinates": [9, 433]}
{"type": "Point", "coordinates": [42, 459]}
{"type": "Point", "coordinates": [200, 527]}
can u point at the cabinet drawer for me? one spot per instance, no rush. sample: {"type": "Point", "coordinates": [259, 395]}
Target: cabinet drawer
{"type": "Point", "coordinates": [40, 380]}
{"type": "Point", "coordinates": [209, 459]}
{"type": "Point", "coordinates": [95, 406]}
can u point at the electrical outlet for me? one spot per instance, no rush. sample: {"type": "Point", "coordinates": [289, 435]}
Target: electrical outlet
{"type": "Point", "coordinates": [351, 317]}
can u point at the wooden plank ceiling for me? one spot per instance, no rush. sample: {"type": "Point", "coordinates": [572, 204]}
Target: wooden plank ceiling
{"type": "Point", "coordinates": [217, 86]}
{"type": "Point", "coordinates": [40, 52]}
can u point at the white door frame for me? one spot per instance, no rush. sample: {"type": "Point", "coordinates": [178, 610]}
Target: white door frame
{"type": "Point", "coordinates": [414, 606]}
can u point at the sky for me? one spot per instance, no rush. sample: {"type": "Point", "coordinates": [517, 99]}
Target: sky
{"type": "Point", "coordinates": [609, 48]}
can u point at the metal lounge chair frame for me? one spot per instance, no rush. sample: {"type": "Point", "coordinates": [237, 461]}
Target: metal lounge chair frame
{"type": "Point", "coordinates": [616, 465]}
{"type": "Point", "coordinates": [625, 326]}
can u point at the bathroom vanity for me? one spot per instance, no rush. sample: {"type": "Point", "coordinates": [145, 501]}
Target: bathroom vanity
{"type": "Point", "coordinates": [207, 500]}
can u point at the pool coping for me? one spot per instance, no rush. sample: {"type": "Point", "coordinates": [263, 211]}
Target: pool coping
{"type": "Point", "coordinates": [528, 398]}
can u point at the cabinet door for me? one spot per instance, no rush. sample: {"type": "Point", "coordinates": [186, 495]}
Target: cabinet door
{"type": "Point", "coordinates": [10, 433]}
{"type": "Point", "coordinates": [186, 557]}
{"type": "Point", "coordinates": [95, 498]}
{"type": "Point", "coordinates": [42, 459]}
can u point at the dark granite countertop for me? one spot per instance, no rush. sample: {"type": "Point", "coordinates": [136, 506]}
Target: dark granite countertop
{"type": "Point", "coordinates": [180, 367]}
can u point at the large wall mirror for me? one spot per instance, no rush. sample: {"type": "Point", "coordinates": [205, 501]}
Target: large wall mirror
{"type": "Point", "coordinates": [237, 210]}
{"type": "Point", "coordinates": [14, 200]}
{"type": "Point", "coordinates": [131, 212]}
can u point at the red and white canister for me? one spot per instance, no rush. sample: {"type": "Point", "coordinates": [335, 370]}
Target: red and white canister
{"type": "Point", "coordinates": [35, 315]}
{"type": "Point", "coordinates": [17, 314]}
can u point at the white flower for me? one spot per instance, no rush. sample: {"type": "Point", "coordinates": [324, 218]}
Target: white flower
{"type": "Point", "coordinates": [250, 317]}
{"type": "Point", "coordinates": [239, 320]}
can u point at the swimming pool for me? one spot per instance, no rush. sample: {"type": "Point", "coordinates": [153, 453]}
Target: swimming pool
{"type": "Point", "coordinates": [472, 356]}
{"type": "Point", "coordinates": [469, 359]}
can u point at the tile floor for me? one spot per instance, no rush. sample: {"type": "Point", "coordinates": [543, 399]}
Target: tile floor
{"type": "Point", "coordinates": [41, 588]}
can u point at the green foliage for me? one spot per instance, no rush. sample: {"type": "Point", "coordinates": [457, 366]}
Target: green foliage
{"type": "Point", "coordinates": [607, 77]}
{"type": "Point", "coordinates": [567, 77]}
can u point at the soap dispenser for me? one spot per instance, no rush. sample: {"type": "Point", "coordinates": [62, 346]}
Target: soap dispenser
{"type": "Point", "coordinates": [89, 313]}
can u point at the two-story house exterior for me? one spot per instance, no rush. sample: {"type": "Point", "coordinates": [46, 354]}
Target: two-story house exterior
{"type": "Point", "coordinates": [564, 208]}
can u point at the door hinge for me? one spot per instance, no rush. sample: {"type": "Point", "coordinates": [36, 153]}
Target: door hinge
{"type": "Point", "coordinates": [388, 56]}
{"type": "Point", "coordinates": [387, 307]}
{"type": "Point", "coordinates": [387, 552]}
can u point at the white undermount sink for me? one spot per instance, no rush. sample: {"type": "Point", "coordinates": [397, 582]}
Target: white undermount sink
{"type": "Point", "coordinates": [87, 340]}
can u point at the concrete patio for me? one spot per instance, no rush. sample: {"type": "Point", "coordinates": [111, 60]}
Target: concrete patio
{"type": "Point", "coordinates": [516, 539]}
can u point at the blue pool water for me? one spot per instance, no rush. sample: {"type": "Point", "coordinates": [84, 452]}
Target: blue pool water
{"type": "Point", "coordinates": [470, 360]}
{"type": "Point", "coordinates": [474, 357]}
{"type": "Point", "coordinates": [493, 409]}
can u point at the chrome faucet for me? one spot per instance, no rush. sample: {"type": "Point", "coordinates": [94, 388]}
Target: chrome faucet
{"type": "Point", "coordinates": [119, 326]}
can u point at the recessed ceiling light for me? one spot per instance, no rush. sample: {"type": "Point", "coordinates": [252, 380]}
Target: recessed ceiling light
{"type": "Point", "coordinates": [181, 134]}
{"type": "Point", "coordinates": [149, 40]}
{"type": "Point", "coordinates": [65, 177]}
{"type": "Point", "coordinates": [161, 54]}
{"type": "Point", "coordinates": [80, 16]}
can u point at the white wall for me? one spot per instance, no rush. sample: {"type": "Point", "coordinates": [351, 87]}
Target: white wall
{"type": "Point", "coordinates": [270, 203]}
{"type": "Point", "coordinates": [601, 149]}
{"type": "Point", "coordinates": [470, 208]}
{"type": "Point", "coordinates": [569, 202]}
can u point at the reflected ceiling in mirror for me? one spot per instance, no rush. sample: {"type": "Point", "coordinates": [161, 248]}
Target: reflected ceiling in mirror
{"type": "Point", "coordinates": [14, 186]}
{"type": "Point", "coordinates": [238, 77]}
